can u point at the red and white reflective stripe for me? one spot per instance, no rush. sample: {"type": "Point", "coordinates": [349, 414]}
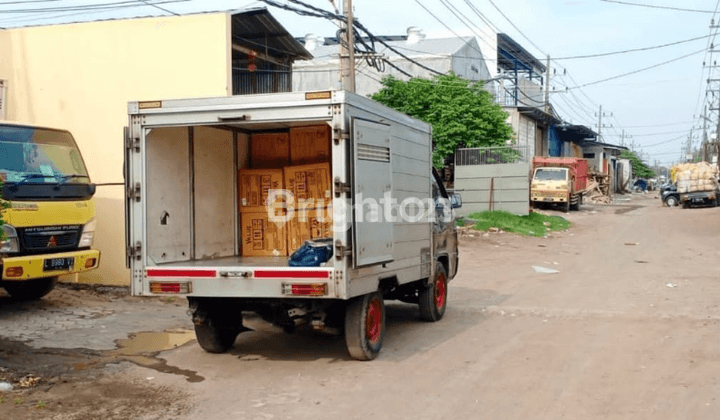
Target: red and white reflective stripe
{"type": "Point", "coordinates": [181, 273]}
{"type": "Point", "coordinates": [291, 274]}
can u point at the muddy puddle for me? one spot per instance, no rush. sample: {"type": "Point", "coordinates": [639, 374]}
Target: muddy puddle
{"type": "Point", "coordinates": [142, 349]}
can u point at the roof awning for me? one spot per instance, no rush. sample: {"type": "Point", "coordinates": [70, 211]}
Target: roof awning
{"type": "Point", "coordinates": [256, 31]}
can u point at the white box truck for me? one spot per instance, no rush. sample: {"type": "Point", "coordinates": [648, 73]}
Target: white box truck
{"type": "Point", "coordinates": [391, 232]}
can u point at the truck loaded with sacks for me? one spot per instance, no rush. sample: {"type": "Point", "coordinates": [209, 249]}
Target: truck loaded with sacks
{"type": "Point", "coordinates": [697, 183]}
{"type": "Point", "coordinates": [309, 209]}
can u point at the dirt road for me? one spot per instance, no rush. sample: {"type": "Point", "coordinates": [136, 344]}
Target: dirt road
{"type": "Point", "coordinates": [626, 329]}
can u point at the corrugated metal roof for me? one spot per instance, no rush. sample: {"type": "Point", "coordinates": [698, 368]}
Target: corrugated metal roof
{"type": "Point", "coordinates": [258, 29]}
{"type": "Point", "coordinates": [441, 47]}
{"type": "Point", "coordinates": [511, 53]}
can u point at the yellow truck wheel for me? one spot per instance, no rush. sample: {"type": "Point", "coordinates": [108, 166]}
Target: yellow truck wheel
{"type": "Point", "coordinates": [30, 289]}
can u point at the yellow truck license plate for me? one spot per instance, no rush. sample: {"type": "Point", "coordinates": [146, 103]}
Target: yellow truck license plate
{"type": "Point", "coordinates": [55, 264]}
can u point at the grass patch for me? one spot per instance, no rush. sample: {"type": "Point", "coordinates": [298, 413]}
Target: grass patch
{"type": "Point", "coordinates": [534, 224]}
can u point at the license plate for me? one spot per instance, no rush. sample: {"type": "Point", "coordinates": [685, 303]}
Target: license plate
{"type": "Point", "coordinates": [56, 264]}
{"type": "Point", "coordinates": [548, 199]}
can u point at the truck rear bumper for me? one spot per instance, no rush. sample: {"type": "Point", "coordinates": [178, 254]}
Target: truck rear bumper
{"type": "Point", "coordinates": [245, 282]}
{"type": "Point", "coordinates": [38, 266]}
{"type": "Point", "coordinates": [698, 196]}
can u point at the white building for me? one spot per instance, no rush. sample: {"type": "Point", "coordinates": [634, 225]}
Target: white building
{"type": "Point", "coordinates": [463, 56]}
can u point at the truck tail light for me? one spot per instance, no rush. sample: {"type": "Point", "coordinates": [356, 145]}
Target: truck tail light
{"type": "Point", "coordinates": [14, 272]}
{"type": "Point", "coordinates": [162, 287]}
{"type": "Point", "coordinates": [305, 289]}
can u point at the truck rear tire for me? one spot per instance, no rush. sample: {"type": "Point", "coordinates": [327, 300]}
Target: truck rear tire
{"type": "Point", "coordinates": [433, 298]}
{"type": "Point", "coordinates": [30, 289]}
{"type": "Point", "coordinates": [365, 326]}
{"type": "Point", "coordinates": [214, 339]}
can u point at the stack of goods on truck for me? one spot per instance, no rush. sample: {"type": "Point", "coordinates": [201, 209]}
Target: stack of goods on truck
{"type": "Point", "coordinates": [695, 177]}
{"type": "Point", "coordinates": [296, 161]}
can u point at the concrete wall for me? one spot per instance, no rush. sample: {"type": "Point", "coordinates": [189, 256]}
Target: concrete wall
{"type": "Point", "coordinates": [81, 76]}
{"type": "Point", "coordinates": [494, 187]}
{"type": "Point", "coordinates": [526, 132]}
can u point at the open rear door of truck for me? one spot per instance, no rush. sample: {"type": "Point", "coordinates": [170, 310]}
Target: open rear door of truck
{"type": "Point", "coordinates": [373, 232]}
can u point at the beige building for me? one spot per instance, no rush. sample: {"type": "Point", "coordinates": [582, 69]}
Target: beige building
{"type": "Point", "coordinates": [81, 76]}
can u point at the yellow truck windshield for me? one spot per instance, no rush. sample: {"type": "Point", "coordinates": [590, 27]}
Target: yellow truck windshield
{"type": "Point", "coordinates": [39, 155]}
{"type": "Point", "coordinates": [549, 174]}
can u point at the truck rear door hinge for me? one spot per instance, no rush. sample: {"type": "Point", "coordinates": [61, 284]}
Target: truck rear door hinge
{"type": "Point", "coordinates": [132, 143]}
{"type": "Point", "coordinates": [341, 187]}
{"type": "Point", "coordinates": [133, 193]}
{"type": "Point", "coordinates": [134, 251]}
{"type": "Point", "coordinates": [340, 134]}
{"type": "Point", "coordinates": [342, 251]}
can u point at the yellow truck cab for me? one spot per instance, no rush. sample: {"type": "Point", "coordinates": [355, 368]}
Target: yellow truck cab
{"type": "Point", "coordinates": [47, 210]}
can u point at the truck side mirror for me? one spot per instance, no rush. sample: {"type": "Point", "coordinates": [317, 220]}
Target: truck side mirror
{"type": "Point", "coordinates": [456, 201]}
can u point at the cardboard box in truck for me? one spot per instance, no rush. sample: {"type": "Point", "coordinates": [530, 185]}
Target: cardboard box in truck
{"type": "Point", "coordinates": [309, 224]}
{"type": "Point", "coordinates": [270, 150]}
{"type": "Point", "coordinates": [310, 144]}
{"type": "Point", "coordinates": [261, 237]}
{"type": "Point", "coordinates": [254, 187]}
{"type": "Point", "coordinates": [229, 262]}
{"type": "Point", "coordinates": [309, 183]}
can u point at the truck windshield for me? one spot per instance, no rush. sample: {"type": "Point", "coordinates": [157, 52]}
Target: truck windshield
{"type": "Point", "coordinates": [546, 174]}
{"type": "Point", "coordinates": [31, 155]}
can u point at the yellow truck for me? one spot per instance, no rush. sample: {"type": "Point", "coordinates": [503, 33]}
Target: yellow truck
{"type": "Point", "coordinates": [47, 210]}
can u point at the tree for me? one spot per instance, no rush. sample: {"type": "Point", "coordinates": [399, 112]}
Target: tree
{"type": "Point", "coordinates": [461, 112]}
{"type": "Point", "coordinates": [640, 169]}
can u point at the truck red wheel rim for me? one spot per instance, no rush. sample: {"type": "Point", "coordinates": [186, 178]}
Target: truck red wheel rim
{"type": "Point", "coordinates": [373, 321]}
{"type": "Point", "coordinates": [440, 291]}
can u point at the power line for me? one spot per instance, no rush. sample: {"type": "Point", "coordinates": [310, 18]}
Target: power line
{"type": "Point", "coordinates": [659, 134]}
{"type": "Point", "coordinates": [516, 28]}
{"type": "Point", "coordinates": [28, 1]}
{"type": "Point", "coordinates": [453, 10]}
{"type": "Point", "coordinates": [653, 6]}
{"type": "Point", "coordinates": [631, 50]}
{"type": "Point", "coordinates": [84, 12]}
{"type": "Point", "coordinates": [663, 142]}
{"type": "Point", "coordinates": [160, 8]}
{"type": "Point", "coordinates": [438, 19]}
{"type": "Point", "coordinates": [74, 8]}
{"type": "Point", "coordinates": [637, 71]}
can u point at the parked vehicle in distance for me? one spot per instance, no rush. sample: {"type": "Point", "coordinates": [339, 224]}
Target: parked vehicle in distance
{"type": "Point", "coordinates": [49, 222]}
{"type": "Point", "coordinates": [203, 175]}
{"type": "Point", "coordinates": [669, 195]}
{"type": "Point", "coordinates": [697, 184]}
{"type": "Point", "coordinates": [559, 181]}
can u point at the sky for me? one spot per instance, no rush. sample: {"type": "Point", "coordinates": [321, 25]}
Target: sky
{"type": "Point", "coordinates": [659, 107]}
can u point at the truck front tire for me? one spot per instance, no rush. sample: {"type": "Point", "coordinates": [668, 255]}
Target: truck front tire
{"type": "Point", "coordinates": [30, 289]}
{"type": "Point", "coordinates": [365, 326]}
{"type": "Point", "coordinates": [433, 298]}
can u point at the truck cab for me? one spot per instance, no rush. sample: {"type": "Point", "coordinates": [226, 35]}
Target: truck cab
{"type": "Point", "coordinates": [47, 210]}
{"type": "Point", "coordinates": [550, 185]}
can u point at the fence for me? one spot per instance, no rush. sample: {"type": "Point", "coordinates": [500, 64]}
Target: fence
{"type": "Point", "coordinates": [492, 155]}
{"type": "Point", "coordinates": [493, 178]}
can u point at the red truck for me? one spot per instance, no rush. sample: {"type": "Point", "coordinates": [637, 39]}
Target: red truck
{"type": "Point", "coordinates": [559, 181]}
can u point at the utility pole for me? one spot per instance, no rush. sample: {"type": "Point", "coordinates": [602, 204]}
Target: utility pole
{"type": "Point", "coordinates": [600, 126]}
{"type": "Point", "coordinates": [704, 140]}
{"type": "Point", "coordinates": [347, 50]}
{"type": "Point", "coordinates": [547, 86]}
{"type": "Point", "coordinates": [623, 137]}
